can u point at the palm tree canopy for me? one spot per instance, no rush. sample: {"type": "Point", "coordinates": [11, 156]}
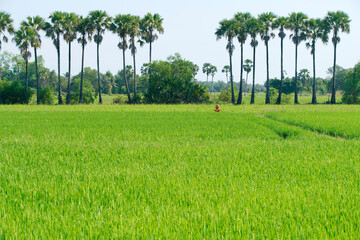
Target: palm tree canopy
{"type": "Point", "coordinates": [248, 65]}
{"type": "Point", "coordinates": [213, 70]}
{"type": "Point", "coordinates": [316, 29]}
{"type": "Point", "coordinates": [337, 21]}
{"type": "Point", "coordinates": [100, 21]}
{"type": "Point", "coordinates": [148, 26]}
{"type": "Point", "coordinates": [85, 28]}
{"type": "Point", "coordinates": [228, 30]}
{"type": "Point", "coordinates": [5, 25]}
{"type": "Point", "coordinates": [206, 68]}
{"type": "Point", "coordinates": [122, 25]}
{"type": "Point", "coordinates": [226, 69]}
{"type": "Point", "coordinates": [22, 40]}
{"type": "Point", "coordinates": [253, 28]}
{"type": "Point", "coordinates": [281, 23]}
{"type": "Point", "coordinates": [35, 24]}
{"type": "Point", "coordinates": [242, 18]}
{"type": "Point", "coordinates": [266, 21]}
{"type": "Point", "coordinates": [134, 32]}
{"type": "Point", "coordinates": [296, 23]}
{"type": "Point", "coordinates": [55, 27]}
{"type": "Point", "coordinates": [70, 25]}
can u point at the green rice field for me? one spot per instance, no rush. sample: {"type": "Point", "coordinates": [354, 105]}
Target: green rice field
{"type": "Point", "coordinates": [180, 172]}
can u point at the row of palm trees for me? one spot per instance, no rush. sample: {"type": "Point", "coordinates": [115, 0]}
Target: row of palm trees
{"type": "Point", "coordinates": [302, 28]}
{"type": "Point", "coordinates": [130, 29]}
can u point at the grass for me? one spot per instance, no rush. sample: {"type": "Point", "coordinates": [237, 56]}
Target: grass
{"type": "Point", "coordinates": [179, 172]}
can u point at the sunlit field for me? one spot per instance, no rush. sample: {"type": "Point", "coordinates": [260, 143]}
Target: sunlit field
{"type": "Point", "coordinates": [179, 172]}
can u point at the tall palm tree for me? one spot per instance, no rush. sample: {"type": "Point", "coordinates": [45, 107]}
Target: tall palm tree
{"type": "Point", "coordinates": [70, 25]}
{"type": "Point", "coordinates": [207, 70]}
{"type": "Point", "coordinates": [100, 21]}
{"type": "Point", "coordinates": [281, 23]}
{"type": "Point", "coordinates": [297, 26]}
{"type": "Point", "coordinates": [226, 70]}
{"type": "Point", "coordinates": [150, 25]}
{"type": "Point", "coordinates": [228, 30]}
{"type": "Point", "coordinates": [253, 27]}
{"type": "Point", "coordinates": [121, 25]}
{"type": "Point", "coordinates": [54, 29]}
{"type": "Point", "coordinates": [337, 22]}
{"type": "Point", "coordinates": [134, 32]}
{"type": "Point", "coordinates": [35, 24]}
{"type": "Point", "coordinates": [315, 29]}
{"type": "Point", "coordinates": [22, 40]}
{"type": "Point", "coordinates": [241, 18]}
{"type": "Point", "coordinates": [266, 21]}
{"type": "Point", "coordinates": [212, 72]}
{"type": "Point", "coordinates": [247, 69]}
{"type": "Point", "coordinates": [5, 25]}
{"type": "Point", "coordinates": [85, 29]}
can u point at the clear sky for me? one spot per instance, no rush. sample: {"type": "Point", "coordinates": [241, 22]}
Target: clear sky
{"type": "Point", "coordinates": [189, 29]}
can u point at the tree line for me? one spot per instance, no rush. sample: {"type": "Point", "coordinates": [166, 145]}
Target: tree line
{"type": "Point", "coordinates": [302, 28]}
{"type": "Point", "coordinates": [132, 31]}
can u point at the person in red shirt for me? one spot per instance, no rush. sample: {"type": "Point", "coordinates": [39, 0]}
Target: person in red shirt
{"type": "Point", "coordinates": [217, 109]}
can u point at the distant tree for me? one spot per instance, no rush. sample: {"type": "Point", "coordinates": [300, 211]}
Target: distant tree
{"type": "Point", "coordinates": [297, 26]}
{"type": "Point", "coordinates": [247, 69]}
{"type": "Point", "coordinates": [228, 30]}
{"type": "Point", "coordinates": [337, 22]}
{"type": "Point", "coordinates": [207, 70]}
{"type": "Point", "coordinates": [134, 32]}
{"type": "Point", "coordinates": [226, 70]}
{"type": "Point", "coordinates": [213, 71]}
{"type": "Point", "coordinates": [304, 77]}
{"type": "Point", "coordinates": [352, 86]}
{"type": "Point", "coordinates": [100, 21]}
{"type": "Point", "coordinates": [266, 21]}
{"type": "Point", "coordinates": [35, 24]}
{"type": "Point", "coordinates": [340, 75]}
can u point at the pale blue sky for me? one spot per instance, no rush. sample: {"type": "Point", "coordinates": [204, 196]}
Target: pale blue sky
{"type": "Point", "coordinates": [189, 30]}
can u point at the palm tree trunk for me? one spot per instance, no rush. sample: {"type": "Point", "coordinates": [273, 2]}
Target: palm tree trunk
{"type": "Point", "coordinates": [82, 74]}
{"type": "Point", "coordinates": [134, 99]}
{"type": "Point", "coordinates": [149, 88]}
{"type": "Point", "coordinates": [245, 90]}
{"type": "Point", "coordinates": [267, 100]}
{"type": "Point", "coordinates": [278, 101]}
{"type": "Point", "coordinates": [239, 101]}
{"type": "Point", "coordinates": [333, 91]}
{"type": "Point", "coordinates": [314, 101]}
{"type": "Point", "coordinates": [231, 81]}
{"type": "Point", "coordinates": [59, 80]}
{"type": "Point", "coordinates": [69, 77]}
{"type": "Point", "coordinates": [252, 101]}
{"type": "Point", "coordinates": [37, 80]}
{"type": "Point", "coordinates": [126, 83]}
{"type": "Point", "coordinates": [227, 78]}
{"type": "Point", "coordinates": [26, 80]}
{"type": "Point", "coordinates": [212, 83]}
{"type": "Point", "coordinates": [296, 101]}
{"type": "Point", "coordinates": [98, 72]}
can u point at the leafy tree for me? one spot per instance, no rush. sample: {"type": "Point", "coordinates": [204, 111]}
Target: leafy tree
{"type": "Point", "coordinates": [337, 22]}
{"type": "Point", "coordinates": [247, 69]}
{"type": "Point", "coordinates": [228, 30]}
{"type": "Point", "coordinates": [242, 19]}
{"type": "Point", "coordinates": [100, 21]}
{"type": "Point", "coordinates": [253, 27]}
{"type": "Point", "coordinates": [266, 21]}
{"type": "Point", "coordinates": [47, 96]}
{"type": "Point", "coordinates": [315, 29]}
{"type": "Point", "coordinates": [85, 28]}
{"type": "Point", "coordinates": [70, 34]}
{"type": "Point", "coordinates": [297, 26]}
{"type": "Point", "coordinates": [304, 77]}
{"type": "Point", "coordinates": [35, 24]}
{"type": "Point", "coordinates": [207, 70]}
{"type": "Point", "coordinates": [352, 86]}
{"type": "Point", "coordinates": [340, 75]}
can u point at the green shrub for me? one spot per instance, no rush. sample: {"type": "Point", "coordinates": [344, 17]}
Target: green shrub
{"type": "Point", "coordinates": [119, 100]}
{"type": "Point", "coordinates": [14, 92]}
{"type": "Point", "coordinates": [286, 98]}
{"type": "Point", "coordinates": [47, 96]}
{"type": "Point", "coordinates": [273, 95]}
{"type": "Point", "coordinates": [352, 86]}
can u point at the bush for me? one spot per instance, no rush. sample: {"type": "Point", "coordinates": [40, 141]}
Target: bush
{"type": "Point", "coordinates": [225, 96]}
{"type": "Point", "coordinates": [14, 92]}
{"type": "Point", "coordinates": [273, 95]}
{"type": "Point", "coordinates": [286, 98]}
{"type": "Point", "coordinates": [352, 86]}
{"type": "Point", "coordinates": [88, 92]}
{"type": "Point", "coordinates": [119, 100]}
{"type": "Point", "coordinates": [47, 96]}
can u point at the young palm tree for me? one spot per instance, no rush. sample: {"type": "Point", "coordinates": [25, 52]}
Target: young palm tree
{"type": "Point", "coordinates": [315, 29]}
{"type": "Point", "coordinates": [241, 18]}
{"type": "Point", "coordinates": [253, 27]}
{"type": "Point", "coordinates": [226, 70]}
{"type": "Point", "coordinates": [35, 24]}
{"type": "Point", "coordinates": [5, 25]}
{"type": "Point", "coordinates": [100, 21]}
{"type": "Point", "coordinates": [54, 29]}
{"type": "Point", "coordinates": [122, 25]}
{"type": "Point", "coordinates": [212, 72]}
{"type": "Point", "coordinates": [266, 21]}
{"type": "Point", "coordinates": [22, 40]}
{"type": "Point", "coordinates": [207, 70]}
{"type": "Point", "coordinates": [85, 29]}
{"type": "Point", "coordinates": [228, 30]}
{"type": "Point", "coordinates": [134, 32]}
{"type": "Point", "coordinates": [281, 23]}
{"type": "Point", "coordinates": [297, 26]}
{"type": "Point", "coordinates": [337, 22]}
{"type": "Point", "coordinates": [247, 69]}
{"type": "Point", "coordinates": [70, 25]}
{"type": "Point", "coordinates": [150, 25]}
